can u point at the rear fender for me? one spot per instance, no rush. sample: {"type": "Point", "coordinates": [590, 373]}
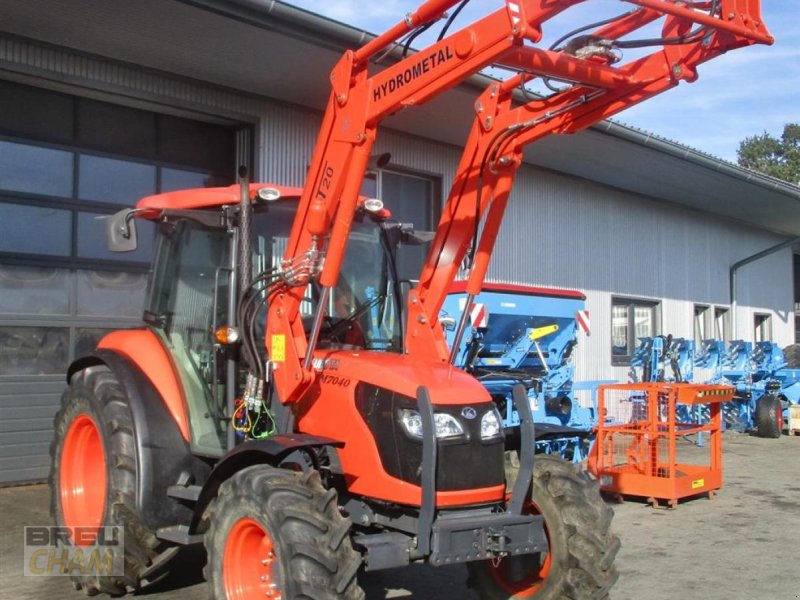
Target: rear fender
{"type": "Point", "coordinates": [143, 348]}
{"type": "Point", "coordinates": [271, 451]}
{"type": "Point", "coordinates": [162, 454]}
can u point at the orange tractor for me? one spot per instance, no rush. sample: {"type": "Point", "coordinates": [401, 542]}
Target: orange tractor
{"type": "Point", "coordinates": [285, 405]}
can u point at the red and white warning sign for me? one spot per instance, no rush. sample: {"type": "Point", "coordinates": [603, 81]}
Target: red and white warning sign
{"type": "Point", "coordinates": [479, 315]}
{"type": "Point", "coordinates": [582, 316]}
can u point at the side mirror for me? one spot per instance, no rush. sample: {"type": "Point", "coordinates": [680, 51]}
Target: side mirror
{"type": "Point", "coordinates": [121, 231]}
{"type": "Point", "coordinates": [410, 237]}
{"type": "Point", "coordinates": [448, 323]}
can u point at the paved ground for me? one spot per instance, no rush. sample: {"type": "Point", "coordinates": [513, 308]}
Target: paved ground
{"type": "Point", "coordinates": [741, 545]}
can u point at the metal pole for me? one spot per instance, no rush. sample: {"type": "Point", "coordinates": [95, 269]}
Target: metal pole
{"type": "Point", "coordinates": [232, 364]}
{"type": "Point", "coordinates": [245, 252]}
{"type": "Point", "coordinates": [541, 356]}
{"type": "Point", "coordinates": [462, 325]}
{"type": "Point", "coordinates": [746, 261]}
{"type": "Point", "coordinates": [315, 328]}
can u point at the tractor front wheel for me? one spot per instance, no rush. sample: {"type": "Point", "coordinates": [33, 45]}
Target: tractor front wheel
{"type": "Point", "coordinates": [769, 416]}
{"type": "Point", "coordinates": [580, 562]}
{"type": "Point", "coordinates": [278, 534]}
{"type": "Point", "coordinates": [93, 478]}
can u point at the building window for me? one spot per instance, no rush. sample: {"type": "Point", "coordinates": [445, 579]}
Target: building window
{"type": "Point", "coordinates": [701, 316]}
{"type": "Point", "coordinates": [630, 320]}
{"type": "Point", "coordinates": [797, 322]}
{"type": "Point", "coordinates": [66, 163]}
{"type": "Point", "coordinates": [762, 328]}
{"type": "Point", "coordinates": [722, 324]}
{"type": "Point", "coordinates": [412, 198]}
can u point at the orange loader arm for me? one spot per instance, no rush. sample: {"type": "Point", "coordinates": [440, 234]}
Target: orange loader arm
{"type": "Point", "coordinates": [596, 91]}
{"type": "Point", "coordinates": [360, 100]}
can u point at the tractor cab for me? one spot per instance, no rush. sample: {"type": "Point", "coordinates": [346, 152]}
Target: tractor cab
{"type": "Point", "coordinates": [193, 307]}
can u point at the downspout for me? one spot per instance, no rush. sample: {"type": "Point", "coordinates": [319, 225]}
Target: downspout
{"type": "Point", "coordinates": [746, 261]}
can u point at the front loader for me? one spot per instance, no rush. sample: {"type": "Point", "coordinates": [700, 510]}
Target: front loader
{"type": "Point", "coordinates": [284, 405]}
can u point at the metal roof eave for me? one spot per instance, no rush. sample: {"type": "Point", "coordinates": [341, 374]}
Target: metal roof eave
{"type": "Point", "coordinates": [311, 26]}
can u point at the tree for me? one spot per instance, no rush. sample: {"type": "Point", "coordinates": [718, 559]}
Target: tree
{"type": "Point", "coordinates": [772, 156]}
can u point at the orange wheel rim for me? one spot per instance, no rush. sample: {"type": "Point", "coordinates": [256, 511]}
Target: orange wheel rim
{"type": "Point", "coordinates": [82, 475]}
{"type": "Point", "coordinates": [527, 581]}
{"type": "Point", "coordinates": [249, 564]}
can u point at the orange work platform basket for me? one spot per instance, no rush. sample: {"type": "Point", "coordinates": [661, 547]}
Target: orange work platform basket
{"type": "Point", "coordinates": [644, 449]}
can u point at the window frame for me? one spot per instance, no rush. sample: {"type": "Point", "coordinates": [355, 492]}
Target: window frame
{"type": "Point", "coordinates": [434, 181]}
{"type": "Point", "coordinates": [631, 303]}
{"type": "Point", "coordinates": [78, 325]}
{"type": "Point", "coordinates": [724, 313]}
{"type": "Point", "coordinates": [762, 327]}
{"type": "Point", "coordinates": [702, 318]}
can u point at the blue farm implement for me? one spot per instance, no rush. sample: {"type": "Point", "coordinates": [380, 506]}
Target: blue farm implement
{"type": "Point", "coordinates": [527, 335]}
{"type": "Point", "coordinates": [766, 378]}
{"type": "Point", "coordinates": [765, 384]}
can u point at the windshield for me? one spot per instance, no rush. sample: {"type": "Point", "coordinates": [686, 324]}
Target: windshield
{"type": "Point", "coordinates": [362, 308]}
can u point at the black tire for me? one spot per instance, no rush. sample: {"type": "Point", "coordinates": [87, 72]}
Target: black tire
{"type": "Point", "coordinates": [769, 416]}
{"type": "Point", "coordinates": [792, 356]}
{"type": "Point", "coordinates": [311, 539]}
{"type": "Point", "coordinates": [582, 546]}
{"type": "Point", "coordinates": [96, 393]}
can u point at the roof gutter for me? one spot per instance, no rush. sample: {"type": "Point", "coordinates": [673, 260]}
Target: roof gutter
{"type": "Point", "coordinates": [307, 26]}
{"type": "Point", "coordinates": [704, 160]}
{"type": "Point", "coordinates": [746, 261]}
{"type": "Point", "coordinates": [310, 27]}
{"type": "Point", "coordinates": [288, 20]}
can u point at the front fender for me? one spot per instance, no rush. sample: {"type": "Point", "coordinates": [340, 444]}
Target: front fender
{"type": "Point", "coordinates": [271, 451]}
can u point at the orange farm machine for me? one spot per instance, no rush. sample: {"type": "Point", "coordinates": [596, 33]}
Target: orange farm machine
{"type": "Point", "coordinates": [286, 406]}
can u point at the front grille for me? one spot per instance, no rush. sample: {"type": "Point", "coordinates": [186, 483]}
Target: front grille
{"type": "Point", "coordinates": [462, 464]}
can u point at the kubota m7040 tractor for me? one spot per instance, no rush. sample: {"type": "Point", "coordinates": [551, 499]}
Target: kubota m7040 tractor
{"type": "Point", "coordinates": [284, 405]}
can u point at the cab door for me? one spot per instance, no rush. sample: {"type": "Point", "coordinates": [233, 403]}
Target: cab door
{"type": "Point", "coordinates": [187, 301]}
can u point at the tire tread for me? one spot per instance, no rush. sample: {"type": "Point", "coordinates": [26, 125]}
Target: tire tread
{"type": "Point", "coordinates": [97, 390]}
{"type": "Point", "coordinates": [587, 570]}
{"type": "Point", "coordinates": [309, 532]}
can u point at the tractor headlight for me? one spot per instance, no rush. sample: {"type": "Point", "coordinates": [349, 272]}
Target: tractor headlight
{"type": "Point", "coordinates": [446, 426]}
{"type": "Point", "coordinates": [491, 425]}
{"type": "Point", "coordinates": [411, 422]}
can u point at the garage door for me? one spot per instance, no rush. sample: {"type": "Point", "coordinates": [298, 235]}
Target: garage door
{"type": "Point", "coordinates": [64, 162]}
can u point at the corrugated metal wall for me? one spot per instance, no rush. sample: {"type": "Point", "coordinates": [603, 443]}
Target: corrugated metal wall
{"type": "Point", "coordinates": [26, 419]}
{"type": "Point", "coordinates": [560, 232]}
{"type": "Point", "coordinates": [565, 232]}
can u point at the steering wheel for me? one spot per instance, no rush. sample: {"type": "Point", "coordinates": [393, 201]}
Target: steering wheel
{"type": "Point", "coordinates": [341, 326]}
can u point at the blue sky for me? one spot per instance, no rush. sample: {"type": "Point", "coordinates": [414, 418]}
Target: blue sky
{"type": "Point", "coordinates": [746, 92]}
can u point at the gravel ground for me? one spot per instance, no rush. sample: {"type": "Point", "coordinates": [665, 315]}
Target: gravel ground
{"type": "Point", "coordinates": [742, 544]}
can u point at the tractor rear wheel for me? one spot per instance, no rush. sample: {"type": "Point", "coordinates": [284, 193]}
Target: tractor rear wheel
{"type": "Point", "coordinates": [580, 563]}
{"type": "Point", "coordinates": [278, 534]}
{"type": "Point", "coordinates": [769, 416]}
{"type": "Point", "coordinates": [792, 356]}
{"type": "Point", "coordinates": [93, 477]}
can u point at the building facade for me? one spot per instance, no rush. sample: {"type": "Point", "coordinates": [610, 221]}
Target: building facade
{"type": "Point", "coordinates": [86, 129]}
